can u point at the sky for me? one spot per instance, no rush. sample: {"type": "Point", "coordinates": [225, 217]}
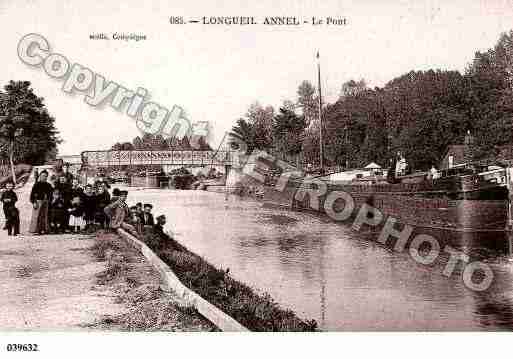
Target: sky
{"type": "Point", "coordinates": [215, 72]}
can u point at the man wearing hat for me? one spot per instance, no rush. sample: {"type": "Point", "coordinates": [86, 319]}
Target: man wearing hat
{"type": "Point", "coordinates": [147, 216]}
{"type": "Point", "coordinates": [118, 211]}
{"type": "Point", "coordinates": [159, 227]}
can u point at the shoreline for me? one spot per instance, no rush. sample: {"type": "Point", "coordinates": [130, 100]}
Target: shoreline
{"type": "Point", "coordinates": [236, 300]}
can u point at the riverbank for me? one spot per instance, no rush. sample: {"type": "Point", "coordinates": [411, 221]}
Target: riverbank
{"type": "Point", "coordinates": [137, 287]}
{"type": "Point", "coordinates": [82, 282]}
{"type": "Point", "coordinates": [257, 312]}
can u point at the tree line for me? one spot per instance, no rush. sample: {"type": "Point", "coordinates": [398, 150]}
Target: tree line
{"type": "Point", "coordinates": [419, 114]}
{"type": "Point", "coordinates": [159, 143]}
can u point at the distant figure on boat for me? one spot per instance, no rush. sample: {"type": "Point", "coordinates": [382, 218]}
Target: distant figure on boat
{"type": "Point", "coordinates": [401, 165]}
{"type": "Point", "coordinates": [433, 173]}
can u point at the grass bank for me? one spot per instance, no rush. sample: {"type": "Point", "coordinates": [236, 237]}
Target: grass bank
{"type": "Point", "coordinates": [137, 286]}
{"type": "Point", "coordinates": [257, 312]}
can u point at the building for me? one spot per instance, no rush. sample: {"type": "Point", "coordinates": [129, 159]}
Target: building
{"type": "Point", "coordinates": [458, 155]}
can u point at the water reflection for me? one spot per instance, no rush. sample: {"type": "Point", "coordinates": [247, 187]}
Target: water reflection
{"type": "Point", "coordinates": [323, 270]}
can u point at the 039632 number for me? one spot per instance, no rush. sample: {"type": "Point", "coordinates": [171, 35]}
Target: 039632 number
{"type": "Point", "coordinates": [22, 348]}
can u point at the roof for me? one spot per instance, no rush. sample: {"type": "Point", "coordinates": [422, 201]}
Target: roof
{"type": "Point", "coordinates": [372, 165]}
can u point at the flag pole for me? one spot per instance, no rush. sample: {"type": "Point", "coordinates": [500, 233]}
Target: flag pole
{"type": "Point", "coordinates": [321, 155]}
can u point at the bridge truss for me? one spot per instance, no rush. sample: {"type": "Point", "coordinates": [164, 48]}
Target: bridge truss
{"type": "Point", "coordinates": [191, 158]}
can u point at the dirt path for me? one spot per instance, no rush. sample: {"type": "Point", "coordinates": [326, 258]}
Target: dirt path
{"type": "Point", "coordinates": [51, 282]}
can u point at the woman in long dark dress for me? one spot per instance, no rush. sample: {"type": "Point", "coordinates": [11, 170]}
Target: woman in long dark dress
{"type": "Point", "coordinates": [39, 197]}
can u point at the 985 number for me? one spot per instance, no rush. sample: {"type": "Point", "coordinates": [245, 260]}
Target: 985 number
{"type": "Point", "coordinates": [22, 348]}
{"type": "Point", "coordinates": [176, 20]}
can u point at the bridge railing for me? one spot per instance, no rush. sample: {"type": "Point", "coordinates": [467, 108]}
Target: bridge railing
{"type": "Point", "coordinates": [148, 157]}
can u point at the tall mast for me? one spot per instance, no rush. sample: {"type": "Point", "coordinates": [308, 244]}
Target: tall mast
{"type": "Point", "coordinates": [320, 112]}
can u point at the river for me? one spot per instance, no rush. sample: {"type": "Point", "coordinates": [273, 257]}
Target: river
{"type": "Point", "coordinates": [326, 271]}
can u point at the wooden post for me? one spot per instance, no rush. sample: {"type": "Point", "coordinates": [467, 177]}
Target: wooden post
{"type": "Point", "coordinates": [509, 223]}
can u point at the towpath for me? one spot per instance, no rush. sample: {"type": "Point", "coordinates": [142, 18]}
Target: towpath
{"type": "Point", "coordinates": [49, 282]}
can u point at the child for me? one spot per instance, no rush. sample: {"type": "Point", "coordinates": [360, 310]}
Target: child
{"type": "Point", "coordinates": [76, 213]}
{"type": "Point", "coordinates": [12, 215]}
{"type": "Point", "coordinates": [57, 212]}
{"type": "Point", "coordinates": [89, 203]}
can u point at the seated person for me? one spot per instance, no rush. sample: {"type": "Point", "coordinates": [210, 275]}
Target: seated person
{"type": "Point", "coordinates": [134, 219]}
{"type": "Point", "coordinates": [139, 207]}
{"type": "Point", "coordinates": [147, 217]}
{"type": "Point", "coordinates": [158, 228]}
{"type": "Point", "coordinates": [118, 211]}
{"type": "Point", "coordinates": [160, 239]}
{"type": "Point", "coordinates": [115, 195]}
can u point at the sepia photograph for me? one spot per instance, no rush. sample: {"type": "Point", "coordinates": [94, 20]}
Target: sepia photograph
{"type": "Point", "coordinates": [173, 170]}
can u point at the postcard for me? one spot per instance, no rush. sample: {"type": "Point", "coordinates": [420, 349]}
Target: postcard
{"type": "Point", "coordinates": [271, 166]}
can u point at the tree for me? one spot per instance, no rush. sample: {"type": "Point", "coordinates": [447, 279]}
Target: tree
{"type": "Point", "coordinates": [243, 131]}
{"type": "Point", "coordinates": [116, 146]}
{"type": "Point", "coordinates": [489, 100]}
{"type": "Point", "coordinates": [138, 143]}
{"type": "Point", "coordinates": [147, 141]}
{"type": "Point", "coordinates": [126, 146]}
{"type": "Point", "coordinates": [27, 131]}
{"type": "Point", "coordinates": [255, 130]}
{"type": "Point", "coordinates": [261, 120]}
{"type": "Point", "coordinates": [203, 145]}
{"type": "Point", "coordinates": [288, 132]}
{"type": "Point", "coordinates": [308, 102]}
{"type": "Point", "coordinates": [353, 88]}
{"type": "Point", "coordinates": [185, 144]}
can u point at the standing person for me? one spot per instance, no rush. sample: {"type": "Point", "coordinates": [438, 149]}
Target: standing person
{"type": "Point", "coordinates": [58, 212]}
{"type": "Point", "coordinates": [75, 190]}
{"type": "Point", "coordinates": [76, 214]}
{"type": "Point", "coordinates": [139, 207]}
{"type": "Point", "coordinates": [64, 188]}
{"type": "Point", "coordinates": [12, 215]}
{"type": "Point", "coordinates": [100, 178]}
{"type": "Point", "coordinates": [66, 173]}
{"type": "Point", "coordinates": [89, 199]}
{"type": "Point", "coordinates": [39, 197]}
{"type": "Point", "coordinates": [102, 201]}
{"type": "Point", "coordinates": [118, 211]}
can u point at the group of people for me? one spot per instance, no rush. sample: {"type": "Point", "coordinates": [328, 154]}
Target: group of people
{"type": "Point", "coordinates": [66, 206]}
